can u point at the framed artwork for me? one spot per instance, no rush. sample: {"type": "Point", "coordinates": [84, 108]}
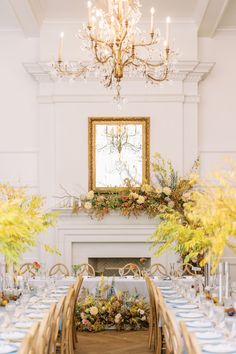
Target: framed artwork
{"type": "Point", "coordinates": [119, 149]}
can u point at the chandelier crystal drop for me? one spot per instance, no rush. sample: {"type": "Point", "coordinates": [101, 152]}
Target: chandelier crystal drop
{"type": "Point", "coordinates": [119, 48]}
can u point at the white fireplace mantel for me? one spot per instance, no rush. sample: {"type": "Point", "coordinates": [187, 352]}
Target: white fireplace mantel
{"type": "Point", "coordinates": [79, 237]}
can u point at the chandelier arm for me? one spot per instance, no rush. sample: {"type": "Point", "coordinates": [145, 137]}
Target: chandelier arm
{"type": "Point", "coordinates": [146, 44]}
{"type": "Point", "coordinates": [100, 60]}
{"type": "Point", "coordinates": [163, 78]}
{"type": "Point", "coordinates": [152, 65]}
{"type": "Point", "coordinates": [69, 73]}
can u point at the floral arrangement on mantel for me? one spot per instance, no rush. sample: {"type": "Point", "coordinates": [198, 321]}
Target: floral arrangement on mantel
{"type": "Point", "coordinates": [21, 220]}
{"type": "Point", "coordinates": [167, 191]}
{"type": "Point", "coordinates": [106, 310]}
{"type": "Point", "coordinates": [207, 224]}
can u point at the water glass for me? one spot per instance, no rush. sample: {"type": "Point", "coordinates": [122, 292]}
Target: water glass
{"type": "Point", "coordinates": [121, 272]}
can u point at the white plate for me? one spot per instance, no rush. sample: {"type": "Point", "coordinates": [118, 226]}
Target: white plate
{"type": "Point", "coordinates": [49, 301]}
{"type": "Point", "coordinates": [7, 348]}
{"type": "Point", "coordinates": [165, 287]}
{"type": "Point", "coordinates": [179, 301]}
{"type": "Point", "coordinates": [14, 336]}
{"type": "Point", "coordinates": [171, 296]}
{"type": "Point", "coordinates": [40, 307]}
{"type": "Point", "coordinates": [24, 324]}
{"type": "Point", "coordinates": [219, 348]}
{"type": "Point", "coordinates": [186, 306]}
{"type": "Point", "coordinates": [189, 315]}
{"type": "Point", "coordinates": [208, 335]}
{"type": "Point", "coordinates": [35, 316]}
{"type": "Point", "coordinates": [168, 292]}
{"type": "Point", "coordinates": [199, 324]}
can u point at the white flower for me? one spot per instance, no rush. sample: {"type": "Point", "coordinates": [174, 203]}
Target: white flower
{"type": "Point", "coordinates": [167, 190]}
{"type": "Point", "coordinates": [186, 197]}
{"type": "Point", "coordinates": [143, 318]}
{"type": "Point", "coordinates": [162, 208]}
{"type": "Point", "coordinates": [159, 190]}
{"type": "Point", "coordinates": [118, 318]}
{"type": "Point", "coordinates": [90, 195]}
{"type": "Point", "coordinates": [88, 205]}
{"type": "Point", "coordinates": [141, 311]}
{"type": "Point", "coordinates": [134, 195]}
{"type": "Point", "coordinates": [167, 199]}
{"type": "Point", "coordinates": [93, 310]}
{"type": "Point", "coordinates": [82, 315]}
{"type": "Point", "coordinates": [171, 204]}
{"type": "Point", "coordinates": [140, 199]}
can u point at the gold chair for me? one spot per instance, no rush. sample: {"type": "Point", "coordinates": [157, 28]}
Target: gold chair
{"type": "Point", "coordinates": [59, 268]}
{"type": "Point", "coordinates": [29, 343]}
{"type": "Point", "coordinates": [158, 269]}
{"type": "Point", "coordinates": [45, 332]}
{"type": "Point", "coordinates": [66, 346]}
{"type": "Point", "coordinates": [27, 268]}
{"type": "Point", "coordinates": [152, 315]}
{"type": "Point", "coordinates": [171, 336]}
{"type": "Point", "coordinates": [186, 269]}
{"type": "Point", "coordinates": [190, 340]}
{"type": "Point", "coordinates": [57, 317]}
{"type": "Point", "coordinates": [77, 287]}
{"type": "Point", "coordinates": [132, 268]}
{"type": "Point", "coordinates": [86, 268]}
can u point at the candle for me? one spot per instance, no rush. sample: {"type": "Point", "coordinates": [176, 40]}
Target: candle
{"type": "Point", "coordinates": [60, 47]}
{"type": "Point", "coordinates": [126, 9]}
{"type": "Point", "coordinates": [152, 11]}
{"type": "Point", "coordinates": [167, 30]}
{"type": "Point", "coordinates": [120, 9]}
{"type": "Point", "coordinates": [109, 7]}
{"type": "Point", "coordinates": [226, 280]}
{"type": "Point", "coordinates": [220, 282]}
{"type": "Point", "coordinates": [89, 4]}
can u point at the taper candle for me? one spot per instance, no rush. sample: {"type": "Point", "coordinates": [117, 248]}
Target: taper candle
{"type": "Point", "coordinates": [220, 282]}
{"type": "Point", "coordinates": [226, 280]}
{"type": "Point", "coordinates": [89, 4]}
{"type": "Point", "coordinates": [152, 11]}
{"type": "Point", "coordinates": [167, 30]}
{"type": "Point", "coordinates": [60, 47]}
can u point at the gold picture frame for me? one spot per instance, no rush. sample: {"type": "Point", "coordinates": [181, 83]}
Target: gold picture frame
{"type": "Point", "coordinates": [97, 126]}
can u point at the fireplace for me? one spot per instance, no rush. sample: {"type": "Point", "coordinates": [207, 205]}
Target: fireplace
{"type": "Point", "coordinates": [110, 266]}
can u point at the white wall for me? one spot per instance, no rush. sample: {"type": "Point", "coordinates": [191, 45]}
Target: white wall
{"type": "Point", "coordinates": [43, 135]}
{"type": "Point", "coordinates": [217, 109]}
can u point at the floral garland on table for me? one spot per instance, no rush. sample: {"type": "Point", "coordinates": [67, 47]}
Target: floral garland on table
{"type": "Point", "coordinates": [106, 310]}
{"type": "Point", "coordinates": [167, 191]}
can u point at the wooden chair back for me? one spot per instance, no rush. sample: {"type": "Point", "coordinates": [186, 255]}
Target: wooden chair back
{"type": "Point", "coordinates": [190, 340]}
{"type": "Point", "coordinates": [29, 343]}
{"type": "Point", "coordinates": [152, 315]}
{"type": "Point", "coordinates": [59, 268]}
{"type": "Point", "coordinates": [158, 269]}
{"type": "Point", "coordinates": [77, 287]}
{"type": "Point", "coordinates": [27, 268]}
{"type": "Point", "coordinates": [45, 332]}
{"type": "Point", "coordinates": [186, 269]}
{"type": "Point", "coordinates": [86, 268]}
{"type": "Point", "coordinates": [57, 318]}
{"type": "Point", "coordinates": [131, 268]}
{"type": "Point", "coordinates": [67, 323]}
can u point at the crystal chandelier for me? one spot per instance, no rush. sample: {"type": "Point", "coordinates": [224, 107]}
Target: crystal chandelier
{"type": "Point", "coordinates": [119, 48]}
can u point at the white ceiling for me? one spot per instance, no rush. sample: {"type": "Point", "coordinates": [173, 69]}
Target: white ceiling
{"type": "Point", "coordinates": [209, 15]}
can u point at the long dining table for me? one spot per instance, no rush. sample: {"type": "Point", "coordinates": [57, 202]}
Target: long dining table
{"type": "Point", "coordinates": [212, 332]}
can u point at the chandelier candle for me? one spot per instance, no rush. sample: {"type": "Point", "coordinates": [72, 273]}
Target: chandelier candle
{"type": "Point", "coordinates": [60, 47]}
{"type": "Point", "coordinates": [119, 47]}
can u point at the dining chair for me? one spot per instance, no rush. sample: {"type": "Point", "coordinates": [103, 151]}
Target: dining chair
{"type": "Point", "coordinates": [77, 287]}
{"type": "Point", "coordinates": [29, 343]}
{"type": "Point", "coordinates": [131, 268]}
{"type": "Point", "coordinates": [190, 340]}
{"type": "Point", "coordinates": [158, 269]}
{"type": "Point", "coordinates": [27, 268]}
{"type": "Point", "coordinates": [159, 339]}
{"type": "Point", "coordinates": [57, 320]}
{"type": "Point", "coordinates": [172, 338]}
{"type": "Point", "coordinates": [45, 332]}
{"type": "Point", "coordinates": [66, 344]}
{"type": "Point", "coordinates": [59, 268]}
{"type": "Point", "coordinates": [186, 269]}
{"type": "Point", "coordinates": [86, 268]}
{"type": "Point", "coordinates": [152, 320]}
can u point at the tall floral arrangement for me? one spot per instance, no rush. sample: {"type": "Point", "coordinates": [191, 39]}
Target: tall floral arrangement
{"type": "Point", "coordinates": [207, 224]}
{"type": "Point", "coordinates": [21, 220]}
{"type": "Point", "coordinates": [167, 191]}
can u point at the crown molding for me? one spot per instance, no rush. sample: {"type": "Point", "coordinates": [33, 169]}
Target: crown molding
{"type": "Point", "coordinates": [186, 71]}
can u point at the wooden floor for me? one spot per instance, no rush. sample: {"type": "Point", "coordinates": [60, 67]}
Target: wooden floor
{"type": "Point", "coordinates": [113, 342]}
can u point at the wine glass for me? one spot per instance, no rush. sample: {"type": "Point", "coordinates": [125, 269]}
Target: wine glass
{"type": "Point", "coordinates": [121, 272]}
{"type": "Point", "coordinates": [230, 326]}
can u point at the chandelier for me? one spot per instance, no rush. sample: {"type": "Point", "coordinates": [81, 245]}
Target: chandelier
{"type": "Point", "coordinates": [119, 48]}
